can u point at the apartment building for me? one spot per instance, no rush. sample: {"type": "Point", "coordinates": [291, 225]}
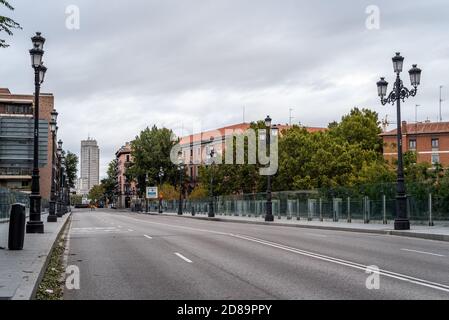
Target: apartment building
{"type": "Point", "coordinates": [90, 165]}
{"type": "Point", "coordinates": [125, 189]}
{"type": "Point", "coordinates": [430, 141]}
{"type": "Point", "coordinates": [17, 141]}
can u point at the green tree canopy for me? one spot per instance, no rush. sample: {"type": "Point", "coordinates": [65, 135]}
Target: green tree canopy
{"type": "Point", "coordinates": [151, 151]}
{"type": "Point", "coordinates": [71, 161]}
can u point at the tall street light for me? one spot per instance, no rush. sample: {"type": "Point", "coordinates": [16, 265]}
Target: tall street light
{"type": "Point", "coordinates": [181, 169]}
{"type": "Point", "coordinates": [211, 213]}
{"type": "Point", "coordinates": [52, 217]}
{"type": "Point", "coordinates": [269, 206]}
{"type": "Point", "coordinates": [161, 176]}
{"type": "Point", "coordinates": [35, 225]}
{"type": "Point", "coordinates": [59, 179]}
{"type": "Point", "coordinates": [399, 93]}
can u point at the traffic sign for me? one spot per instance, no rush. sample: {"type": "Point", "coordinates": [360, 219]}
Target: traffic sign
{"type": "Point", "coordinates": [152, 193]}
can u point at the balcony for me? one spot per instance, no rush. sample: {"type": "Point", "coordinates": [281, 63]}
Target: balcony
{"type": "Point", "coordinates": [15, 172]}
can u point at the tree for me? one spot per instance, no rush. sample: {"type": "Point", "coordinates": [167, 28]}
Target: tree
{"type": "Point", "coordinates": [109, 183]}
{"type": "Point", "coordinates": [71, 161]}
{"type": "Point", "coordinates": [7, 24]}
{"type": "Point", "coordinates": [359, 127]}
{"type": "Point", "coordinates": [97, 193]}
{"type": "Point", "coordinates": [151, 151]}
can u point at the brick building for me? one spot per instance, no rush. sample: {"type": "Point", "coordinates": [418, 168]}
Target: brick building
{"type": "Point", "coordinates": [430, 141]}
{"type": "Point", "coordinates": [125, 189]}
{"type": "Point", "coordinates": [196, 147]}
{"type": "Point", "coordinates": [16, 141]}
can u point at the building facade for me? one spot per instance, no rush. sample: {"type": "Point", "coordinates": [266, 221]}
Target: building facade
{"type": "Point", "coordinates": [90, 166]}
{"type": "Point", "coordinates": [16, 141]}
{"type": "Point", "coordinates": [196, 148]}
{"type": "Point", "coordinates": [430, 141]}
{"type": "Point", "coordinates": [125, 189]}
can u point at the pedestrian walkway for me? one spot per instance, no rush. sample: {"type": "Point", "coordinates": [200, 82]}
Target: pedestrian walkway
{"type": "Point", "coordinates": [21, 271]}
{"type": "Point", "coordinates": [439, 232]}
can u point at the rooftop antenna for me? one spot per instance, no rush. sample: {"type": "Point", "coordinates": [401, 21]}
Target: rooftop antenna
{"type": "Point", "coordinates": [441, 102]}
{"type": "Point", "coordinates": [244, 111]}
{"type": "Point", "coordinates": [291, 117]}
{"type": "Point", "coordinates": [416, 112]}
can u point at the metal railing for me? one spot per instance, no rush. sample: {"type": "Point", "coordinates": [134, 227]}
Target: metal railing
{"type": "Point", "coordinates": [8, 198]}
{"type": "Point", "coordinates": [338, 205]}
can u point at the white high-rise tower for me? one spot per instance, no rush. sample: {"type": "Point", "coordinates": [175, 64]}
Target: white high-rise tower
{"type": "Point", "coordinates": [90, 165]}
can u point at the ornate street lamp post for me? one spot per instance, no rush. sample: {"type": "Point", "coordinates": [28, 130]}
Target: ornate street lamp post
{"type": "Point", "coordinates": [269, 206]}
{"type": "Point", "coordinates": [59, 180]}
{"type": "Point", "coordinates": [211, 191]}
{"type": "Point", "coordinates": [399, 93]}
{"type": "Point", "coordinates": [181, 169]}
{"type": "Point", "coordinates": [52, 217]}
{"type": "Point", "coordinates": [161, 176]}
{"type": "Point", "coordinates": [35, 225]}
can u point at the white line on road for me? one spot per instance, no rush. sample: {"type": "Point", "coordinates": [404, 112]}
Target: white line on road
{"type": "Point", "coordinates": [183, 258]}
{"type": "Point", "coordinates": [130, 230]}
{"type": "Point", "coordinates": [350, 264]}
{"type": "Point", "coordinates": [398, 276]}
{"type": "Point", "coordinates": [148, 237]}
{"type": "Point", "coordinates": [423, 252]}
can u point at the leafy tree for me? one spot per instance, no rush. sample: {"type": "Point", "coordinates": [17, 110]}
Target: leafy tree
{"type": "Point", "coordinates": [359, 127]}
{"type": "Point", "coordinates": [7, 24]}
{"type": "Point", "coordinates": [97, 193]}
{"type": "Point", "coordinates": [71, 160]}
{"type": "Point", "coordinates": [151, 151]}
{"type": "Point", "coordinates": [109, 183]}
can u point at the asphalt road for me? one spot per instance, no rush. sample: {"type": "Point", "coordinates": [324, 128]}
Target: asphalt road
{"type": "Point", "coordinates": [130, 256]}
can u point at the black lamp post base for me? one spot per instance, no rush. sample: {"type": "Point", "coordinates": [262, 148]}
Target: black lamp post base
{"type": "Point", "coordinates": [269, 218]}
{"type": "Point", "coordinates": [35, 227]}
{"type": "Point", "coordinates": [401, 224]}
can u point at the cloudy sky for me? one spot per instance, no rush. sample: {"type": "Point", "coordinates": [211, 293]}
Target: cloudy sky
{"type": "Point", "coordinates": [197, 63]}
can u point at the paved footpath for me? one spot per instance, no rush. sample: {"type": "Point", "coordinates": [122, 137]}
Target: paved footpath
{"type": "Point", "coordinates": [22, 271]}
{"type": "Point", "coordinates": [124, 255]}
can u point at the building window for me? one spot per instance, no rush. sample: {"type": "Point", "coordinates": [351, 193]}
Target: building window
{"type": "Point", "coordinates": [435, 159]}
{"type": "Point", "coordinates": [412, 145]}
{"type": "Point", "coordinates": [435, 143]}
{"type": "Point", "coordinates": [127, 158]}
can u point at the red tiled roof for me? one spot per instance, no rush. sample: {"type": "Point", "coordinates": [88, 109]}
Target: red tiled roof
{"type": "Point", "coordinates": [421, 128]}
{"type": "Point", "coordinates": [206, 136]}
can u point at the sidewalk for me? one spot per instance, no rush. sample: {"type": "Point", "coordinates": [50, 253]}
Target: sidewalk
{"type": "Point", "coordinates": [21, 271]}
{"type": "Point", "coordinates": [440, 232]}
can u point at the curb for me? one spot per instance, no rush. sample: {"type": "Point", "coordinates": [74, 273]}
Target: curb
{"type": "Point", "coordinates": [425, 236]}
{"type": "Point", "coordinates": [45, 265]}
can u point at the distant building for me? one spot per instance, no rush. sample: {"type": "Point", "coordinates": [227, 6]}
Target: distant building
{"type": "Point", "coordinates": [125, 189]}
{"type": "Point", "coordinates": [16, 141]}
{"type": "Point", "coordinates": [430, 141]}
{"type": "Point", "coordinates": [90, 166]}
{"type": "Point", "coordinates": [197, 147]}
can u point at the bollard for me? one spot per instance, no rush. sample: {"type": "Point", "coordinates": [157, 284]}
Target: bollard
{"type": "Point", "coordinates": [431, 223]}
{"type": "Point", "coordinates": [17, 227]}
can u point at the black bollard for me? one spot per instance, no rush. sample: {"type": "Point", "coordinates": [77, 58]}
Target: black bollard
{"type": "Point", "coordinates": [17, 227]}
